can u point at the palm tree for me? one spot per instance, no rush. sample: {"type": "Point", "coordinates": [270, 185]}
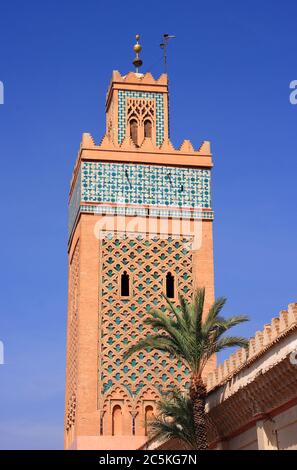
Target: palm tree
{"type": "Point", "coordinates": [175, 419]}
{"type": "Point", "coordinates": [183, 335]}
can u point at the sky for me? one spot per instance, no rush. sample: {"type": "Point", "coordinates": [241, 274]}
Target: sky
{"type": "Point", "coordinates": [229, 67]}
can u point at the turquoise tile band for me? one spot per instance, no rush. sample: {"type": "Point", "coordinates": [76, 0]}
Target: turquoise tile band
{"type": "Point", "coordinates": [185, 191]}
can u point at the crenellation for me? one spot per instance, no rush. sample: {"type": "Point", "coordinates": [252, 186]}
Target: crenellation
{"type": "Point", "coordinates": [252, 347]}
{"type": "Point", "coordinates": [204, 148]}
{"type": "Point", "coordinates": [283, 320]}
{"type": "Point", "coordinates": [237, 358]}
{"type": "Point", "coordinates": [87, 140]}
{"type": "Point", "coordinates": [167, 146]}
{"type": "Point", "coordinates": [292, 314]}
{"type": "Point", "coordinates": [267, 335]}
{"type": "Point", "coordinates": [136, 78]}
{"type": "Point", "coordinates": [128, 144]}
{"type": "Point", "coordinates": [232, 362]}
{"type": "Point", "coordinates": [244, 355]}
{"type": "Point", "coordinates": [226, 367]}
{"type": "Point", "coordinates": [186, 147]}
{"type": "Point", "coordinates": [274, 328]}
{"type": "Point", "coordinates": [147, 145]}
{"type": "Point", "coordinates": [106, 143]}
{"type": "Point", "coordinates": [221, 372]}
{"type": "Point", "coordinates": [258, 341]}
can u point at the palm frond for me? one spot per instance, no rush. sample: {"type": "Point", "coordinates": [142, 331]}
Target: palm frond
{"type": "Point", "coordinates": [165, 430]}
{"type": "Point", "coordinates": [173, 310]}
{"type": "Point", "coordinates": [179, 336]}
{"type": "Point", "coordinates": [214, 311]}
{"type": "Point", "coordinates": [183, 334]}
{"type": "Point", "coordinates": [160, 342]}
{"type": "Point", "coordinates": [230, 342]}
{"type": "Point", "coordinates": [220, 325]}
{"type": "Point", "coordinates": [185, 313]}
{"type": "Point", "coordinates": [175, 419]}
{"type": "Point", "coordinates": [198, 311]}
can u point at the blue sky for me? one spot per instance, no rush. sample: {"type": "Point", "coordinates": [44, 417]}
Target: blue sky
{"type": "Point", "coordinates": [230, 67]}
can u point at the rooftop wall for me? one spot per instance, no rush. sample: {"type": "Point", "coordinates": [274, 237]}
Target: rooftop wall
{"type": "Point", "coordinates": [273, 332]}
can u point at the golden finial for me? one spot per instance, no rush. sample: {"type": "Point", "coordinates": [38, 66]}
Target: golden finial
{"type": "Point", "coordinates": [137, 62]}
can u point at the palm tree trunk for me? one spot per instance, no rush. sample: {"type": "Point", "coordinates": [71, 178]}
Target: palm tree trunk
{"type": "Point", "coordinates": [198, 397]}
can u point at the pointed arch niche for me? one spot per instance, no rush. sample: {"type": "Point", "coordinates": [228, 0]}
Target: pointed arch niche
{"type": "Point", "coordinates": [148, 128]}
{"type": "Point", "coordinates": [117, 421]}
{"type": "Point", "coordinates": [133, 125]}
{"type": "Point", "coordinates": [148, 415]}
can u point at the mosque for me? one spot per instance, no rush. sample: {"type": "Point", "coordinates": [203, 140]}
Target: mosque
{"type": "Point", "coordinates": [140, 226]}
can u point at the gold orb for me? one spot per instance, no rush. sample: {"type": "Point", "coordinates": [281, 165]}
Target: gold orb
{"type": "Point", "coordinates": [137, 48]}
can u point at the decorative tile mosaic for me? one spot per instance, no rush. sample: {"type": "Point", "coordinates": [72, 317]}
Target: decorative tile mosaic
{"type": "Point", "coordinates": [145, 185]}
{"type": "Point", "coordinates": [139, 185]}
{"type": "Point", "coordinates": [123, 94]}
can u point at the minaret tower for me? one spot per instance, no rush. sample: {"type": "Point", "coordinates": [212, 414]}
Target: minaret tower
{"type": "Point", "coordinates": [140, 226]}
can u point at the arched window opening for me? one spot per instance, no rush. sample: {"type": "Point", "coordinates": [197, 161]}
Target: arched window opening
{"type": "Point", "coordinates": [147, 128]}
{"type": "Point", "coordinates": [125, 284]}
{"type": "Point", "coordinates": [170, 286]}
{"type": "Point", "coordinates": [134, 131]}
{"type": "Point", "coordinates": [149, 414]}
{"type": "Point", "coordinates": [117, 421]}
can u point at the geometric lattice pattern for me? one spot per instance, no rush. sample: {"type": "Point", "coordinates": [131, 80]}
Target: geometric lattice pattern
{"type": "Point", "coordinates": [141, 108]}
{"type": "Point", "coordinates": [123, 94]}
{"type": "Point", "coordinates": [147, 260]}
{"type": "Point", "coordinates": [72, 338]}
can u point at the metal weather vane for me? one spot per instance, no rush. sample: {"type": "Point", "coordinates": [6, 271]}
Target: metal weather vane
{"type": "Point", "coordinates": [166, 38]}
